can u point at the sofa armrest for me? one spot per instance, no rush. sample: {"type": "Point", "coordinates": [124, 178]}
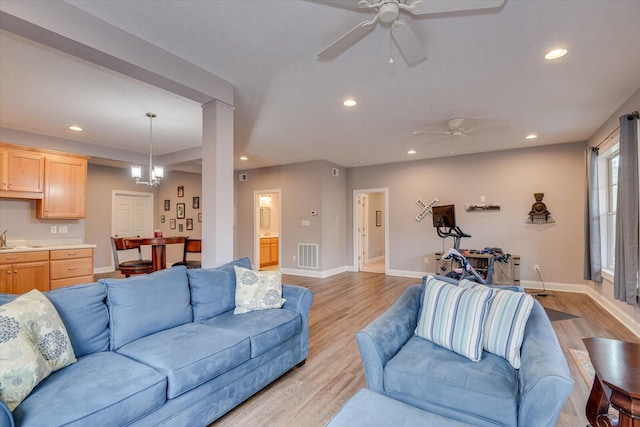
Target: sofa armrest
{"type": "Point", "coordinates": [381, 339]}
{"type": "Point", "coordinates": [299, 299]}
{"type": "Point", "coordinates": [544, 379]}
{"type": "Point", "coordinates": [6, 417]}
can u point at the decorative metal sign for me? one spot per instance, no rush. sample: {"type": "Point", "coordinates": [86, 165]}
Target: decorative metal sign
{"type": "Point", "coordinates": [426, 209]}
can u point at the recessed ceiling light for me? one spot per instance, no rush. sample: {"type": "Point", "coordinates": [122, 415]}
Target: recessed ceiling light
{"type": "Point", "coordinates": [531, 136]}
{"type": "Point", "coordinates": [411, 152]}
{"type": "Point", "coordinates": [555, 54]}
{"type": "Point", "coordinates": [244, 158]}
{"type": "Point", "coordinates": [349, 102]}
{"type": "Point", "coordinates": [76, 128]}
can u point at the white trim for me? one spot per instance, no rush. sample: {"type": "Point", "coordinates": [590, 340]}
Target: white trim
{"type": "Point", "coordinates": [354, 208]}
{"type": "Point", "coordinates": [102, 270]}
{"type": "Point", "coordinates": [407, 273]}
{"type": "Point", "coordinates": [315, 274]}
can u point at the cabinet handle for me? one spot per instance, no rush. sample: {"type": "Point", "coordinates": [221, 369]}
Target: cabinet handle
{"type": "Point", "coordinates": [72, 253]}
{"type": "Point", "coordinates": [15, 271]}
{"type": "Point", "coordinates": [72, 268]}
{"type": "Point", "coordinates": [10, 258]}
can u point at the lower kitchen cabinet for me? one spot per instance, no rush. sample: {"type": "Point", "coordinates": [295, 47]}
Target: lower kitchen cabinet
{"type": "Point", "coordinates": [24, 271]}
{"type": "Point", "coordinates": [71, 267]}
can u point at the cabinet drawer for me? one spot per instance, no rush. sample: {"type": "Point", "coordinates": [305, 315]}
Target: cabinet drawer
{"type": "Point", "coordinates": [63, 269]}
{"type": "Point", "coordinates": [17, 257]}
{"type": "Point", "coordinates": [71, 253]}
{"type": "Point", "coordinates": [62, 283]}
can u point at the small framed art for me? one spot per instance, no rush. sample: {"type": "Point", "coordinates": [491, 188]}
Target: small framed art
{"type": "Point", "coordinates": [189, 223]}
{"type": "Point", "coordinates": [180, 210]}
{"type": "Point", "coordinates": [172, 223]}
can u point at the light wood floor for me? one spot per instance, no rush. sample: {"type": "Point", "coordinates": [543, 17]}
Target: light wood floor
{"type": "Point", "coordinates": [345, 303]}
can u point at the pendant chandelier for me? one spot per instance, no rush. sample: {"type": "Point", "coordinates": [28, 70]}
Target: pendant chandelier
{"type": "Point", "coordinates": [156, 173]}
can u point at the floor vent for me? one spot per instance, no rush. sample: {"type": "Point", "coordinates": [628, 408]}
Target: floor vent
{"type": "Point", "coordinates": [307, 255]}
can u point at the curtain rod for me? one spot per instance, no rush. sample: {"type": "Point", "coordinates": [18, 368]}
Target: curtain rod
{"type": "Point", "coordinates": [633, 115]}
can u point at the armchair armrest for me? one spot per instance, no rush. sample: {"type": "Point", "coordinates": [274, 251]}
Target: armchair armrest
{"type": "Point", "coordinates": [299, 299]}
{"type": "Point", "coordinates": [381, 339]}
{"type": "Point", "coordinates": [6, 417]}
{"type": "Point", "coordinates": [545, 382]}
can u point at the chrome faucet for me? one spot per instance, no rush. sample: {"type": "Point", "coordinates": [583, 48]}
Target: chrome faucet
{"type": "Point", "coordinates": [3, 239]}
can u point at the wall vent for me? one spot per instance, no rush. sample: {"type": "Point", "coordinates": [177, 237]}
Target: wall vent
{"type": "Point", "coordinates": [308, 255]}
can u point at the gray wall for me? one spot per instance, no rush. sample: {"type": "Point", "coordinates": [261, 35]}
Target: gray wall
{"type": "Point", "coordinates": [509, 178]}
{"type": "Point", "coordinates": [19, 217]}
{"type": "Point", "coordinates": [305, 187]}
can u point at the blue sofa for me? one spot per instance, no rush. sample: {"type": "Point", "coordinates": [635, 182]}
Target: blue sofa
{"type": "Point", "coordinates": [411, 369]}
{"type": "Point", "coordinates": [163, 349]}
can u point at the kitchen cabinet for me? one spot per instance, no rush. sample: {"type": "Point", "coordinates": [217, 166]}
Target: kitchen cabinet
{"type": "Point", "coordinates": [65, 187]}
{"type": "Point", "coordinates": [71, 267]}
{"type": "Point", "coordinates": [21, 172]}
{"type": "Point", "coordinates": [269, 251]}
{"type": "Point", "coordinates": [21, 272]}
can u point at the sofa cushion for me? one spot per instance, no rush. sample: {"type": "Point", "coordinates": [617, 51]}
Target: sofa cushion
{"type": "Point", "coordinates": [190, 355]}
{"type": "Point", "coordinates": [257, 290]}
{"type": "Point", "coordinates": [453, 317]}
{"type": "Point", "coordinates": [146, 304]}
{"type": "Point", "coordinates": [266, 328]}
{"type": "Point", "coordinates": [83, 311]}
{"type": "Point", "coordinates": [433, 378]}
{"type": "Point", "coordinates": [505, 323]}
{"type": "Point", "coordinates": [213, 290]}
{"type": "Point", "coordinates": [100, 389]}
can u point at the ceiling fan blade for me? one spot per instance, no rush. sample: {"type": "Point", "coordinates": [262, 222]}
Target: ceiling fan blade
{"type": "Point", "coordinates": [442, 6]}
{"type": "Point", "coordinates": [408, 43]}
{"type": "Point", "coordinates": [346, 41]}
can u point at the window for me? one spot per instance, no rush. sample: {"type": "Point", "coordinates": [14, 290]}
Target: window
{"type": "Point", "coordinates": [613, 158]}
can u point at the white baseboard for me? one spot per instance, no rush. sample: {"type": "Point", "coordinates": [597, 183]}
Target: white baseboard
{"type": "Point", "coordinates": [102, 270]}
{"type": "Point", "coordinates": [314, 274]}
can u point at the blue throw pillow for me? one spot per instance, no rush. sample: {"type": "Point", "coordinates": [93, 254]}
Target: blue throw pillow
{"type": "Point", "coordinates": [505, 323]}
{"type": "Point", "coordinates": [213, 290]}
{"type": "Point", "coordinates": [453, 317]}
{"type": "Point", "coordinates": [146, 304]}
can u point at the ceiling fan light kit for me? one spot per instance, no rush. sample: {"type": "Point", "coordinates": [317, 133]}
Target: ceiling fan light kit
{"type": "Point", "coordinates": [388, 12]}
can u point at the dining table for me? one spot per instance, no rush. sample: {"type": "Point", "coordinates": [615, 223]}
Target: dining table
{"type": "Point", "coordinates": [158, 248]}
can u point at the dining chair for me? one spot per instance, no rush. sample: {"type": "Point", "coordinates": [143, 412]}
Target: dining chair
{"type": "Point", "coordinates": [134, 266]}
{"type": "Point", "coordinates": [190, 246]}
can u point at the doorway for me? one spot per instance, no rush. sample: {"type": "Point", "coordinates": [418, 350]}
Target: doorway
{"type": "Point", "coordinates": [268, 236]}
{"type": "Point", "coordinates": [132, 215]}
{"type": "Point", "coordinates": [371, 230]}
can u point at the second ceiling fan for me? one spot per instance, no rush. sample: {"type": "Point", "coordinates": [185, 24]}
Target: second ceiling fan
{"type": "Point", "coordinates": [388, 12]}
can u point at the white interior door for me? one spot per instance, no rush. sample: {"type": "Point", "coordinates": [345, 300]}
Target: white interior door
{"type": "Point", "coordinates": [131, 216]}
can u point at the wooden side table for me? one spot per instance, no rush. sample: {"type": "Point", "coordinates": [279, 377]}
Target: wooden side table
{"type": "Point", "coordinates": [616, 383]}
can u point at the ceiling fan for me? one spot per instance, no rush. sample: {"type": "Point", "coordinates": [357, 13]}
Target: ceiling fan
{"type": "Point", "coordinates": [461, 126]}
{"type": "Point", "coordinates": [388, 12]}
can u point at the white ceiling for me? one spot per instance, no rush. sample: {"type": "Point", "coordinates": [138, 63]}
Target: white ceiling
{"type": "Point", "coordinates": [288, 105]}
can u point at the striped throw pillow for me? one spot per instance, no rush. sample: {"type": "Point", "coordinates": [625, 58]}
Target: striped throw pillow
{"type": "Point", "coordinates": [453, 317]}
{"type": "Point", "coordinates": [505, 323]}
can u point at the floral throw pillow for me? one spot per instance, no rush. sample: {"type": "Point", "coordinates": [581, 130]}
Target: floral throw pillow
{"type": "Point", "coordinates": [257, 290]}
{"type": "Point", "coordinates": [33, 343]}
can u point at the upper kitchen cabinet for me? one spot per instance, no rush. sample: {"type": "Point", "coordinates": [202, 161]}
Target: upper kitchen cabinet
{"type": "Point", "coordinates": [65, 187]}
{"type": "Point", "coordinates": [21, 172]}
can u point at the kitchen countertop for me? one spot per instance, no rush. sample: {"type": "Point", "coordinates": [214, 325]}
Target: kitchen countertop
{"type": "Point", "coordinates": [45, 246]}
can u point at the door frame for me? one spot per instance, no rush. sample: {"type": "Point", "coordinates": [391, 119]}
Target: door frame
{"type": "Point", "coordinates": [256, 226]}
{"type": "Point", "coordinates": [356, 232]}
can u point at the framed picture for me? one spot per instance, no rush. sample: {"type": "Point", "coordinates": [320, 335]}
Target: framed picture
{"type": "Point", "coordinates": [167, 205]}
{"type": "Point", "coordinates": [180, 210]}
{"type": "Point", "coordinates": [181, 191]}
{"type": "Point", "coordinates": [172, 223]}
{"type": "Point", "coordinates": [162, 219]}
{"type": "Point", "coordinates": [199, 216]}
{"type": "Point", "coordinates": [180, 227]}
{"type": "Point", "coordinates": [196, 202]}
{"type": "Point", "coordinates": [378, 218]}
{"type": "Point", "coordinates": [189, 223]}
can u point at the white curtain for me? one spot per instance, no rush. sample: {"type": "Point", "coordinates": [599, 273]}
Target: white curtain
{"type": "Point", "coordinates": [625, 284]}
{"type": "Point", "coordinates": [592, 244]}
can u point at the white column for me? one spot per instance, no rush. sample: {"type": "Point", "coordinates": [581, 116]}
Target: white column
{"type": "Point", "coordinates": [217, 184]}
